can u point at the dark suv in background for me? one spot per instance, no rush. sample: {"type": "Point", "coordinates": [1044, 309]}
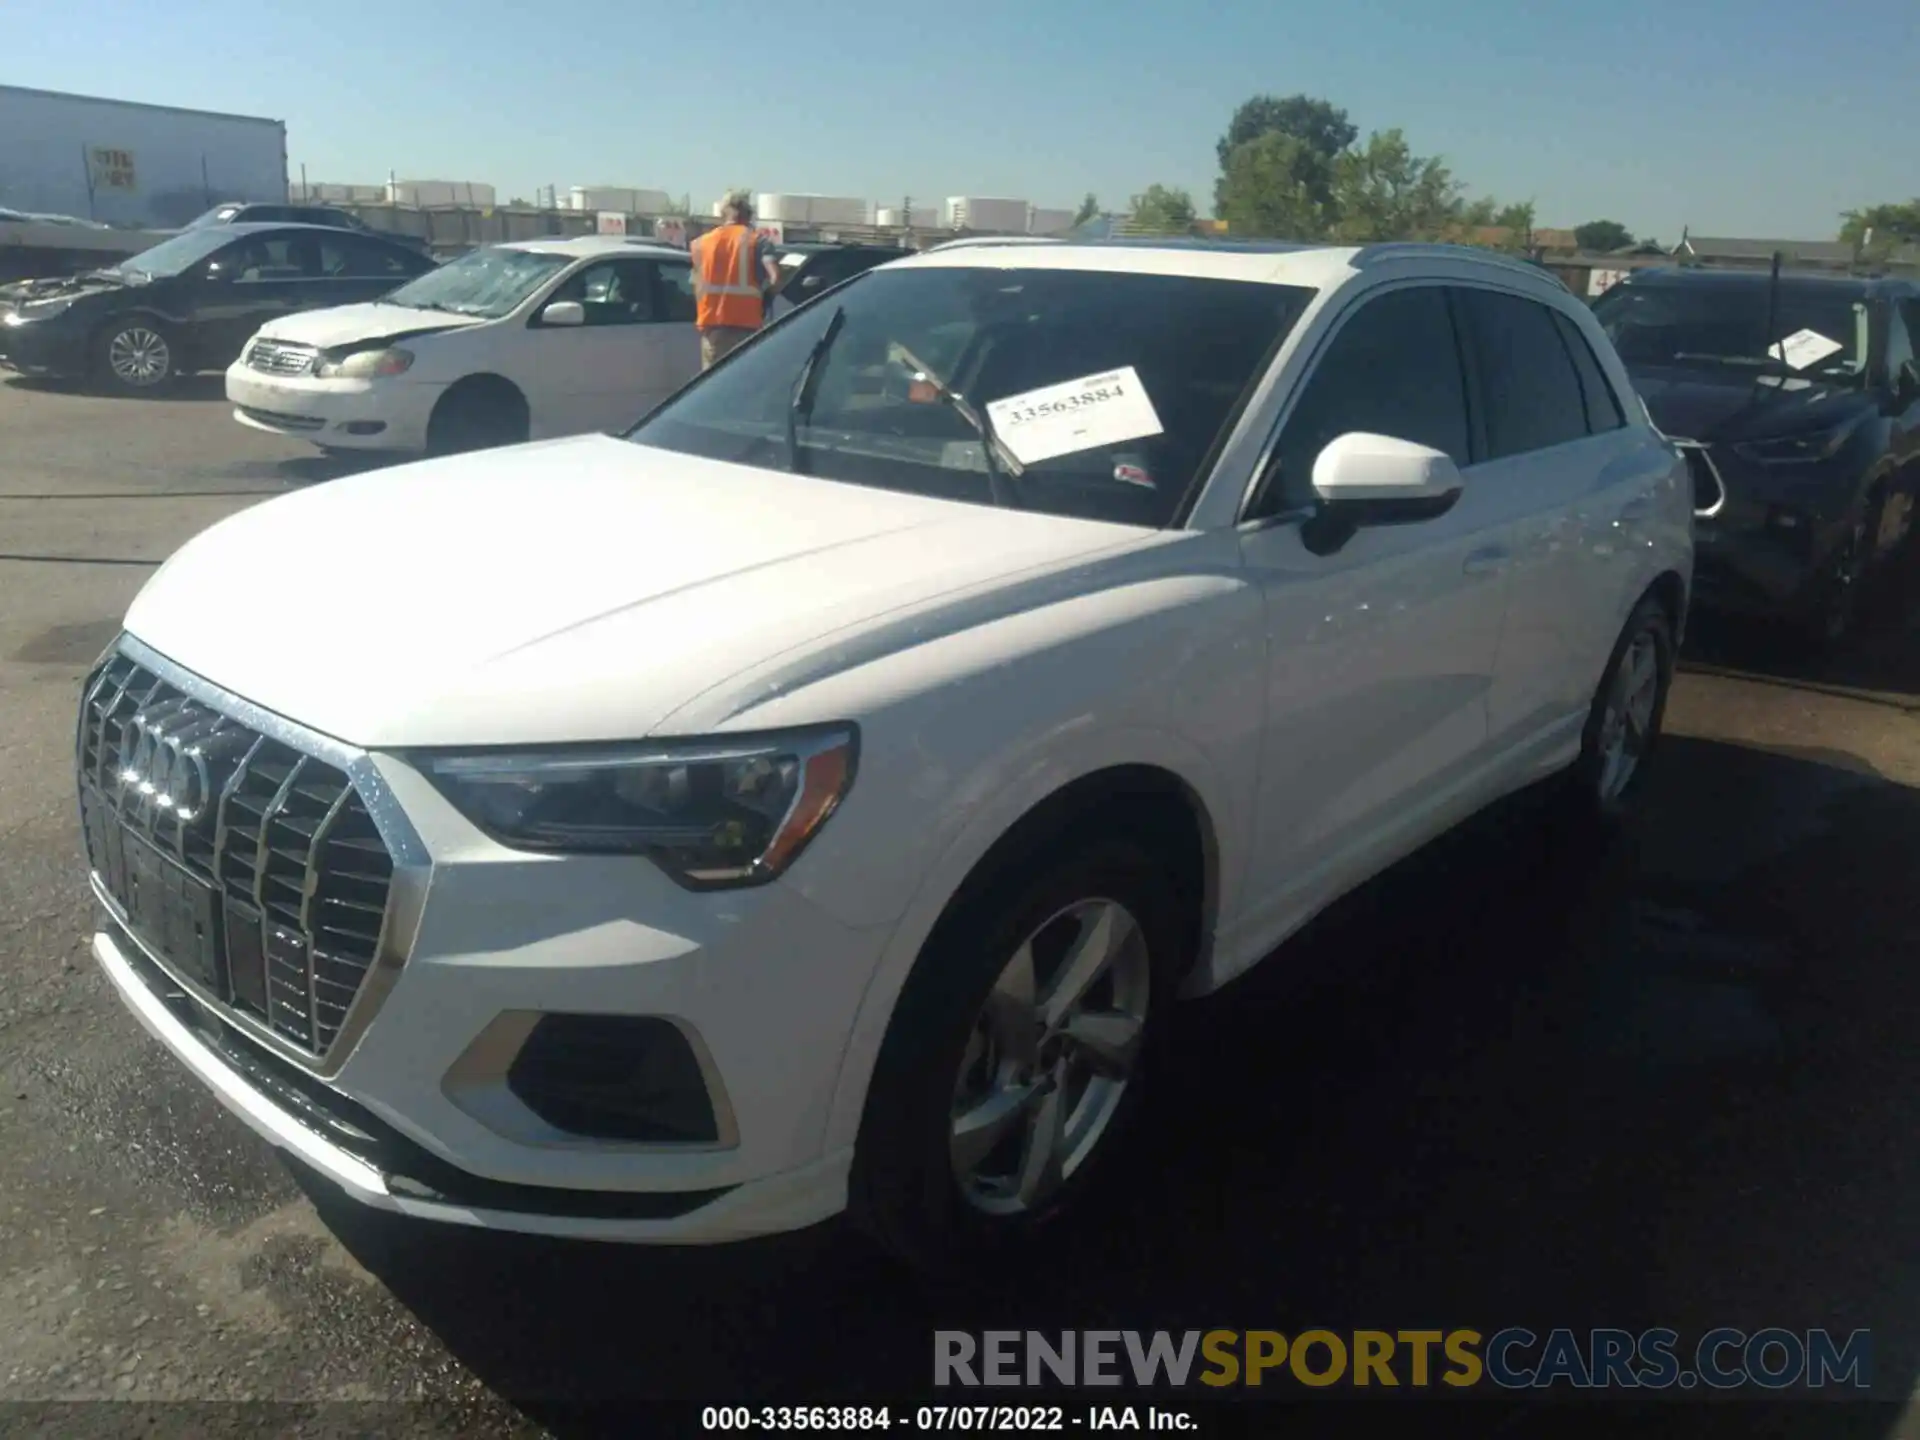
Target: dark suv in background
{"type": "Point", "coordinates": [253, 212]}
{"type": "Point", "coordinates": [808, 269]}
{"type": "Point", "coordinates": [1796, 399]}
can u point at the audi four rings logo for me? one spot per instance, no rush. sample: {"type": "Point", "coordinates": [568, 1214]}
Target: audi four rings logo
{"type": "Point", "coordinates": [172, 749]}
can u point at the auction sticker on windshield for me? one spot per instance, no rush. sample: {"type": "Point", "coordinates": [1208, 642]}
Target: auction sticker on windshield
{"type": "Point", "coordinates": [1804, 348]}
{"type": "Point", "coordinates": [1084, 414]}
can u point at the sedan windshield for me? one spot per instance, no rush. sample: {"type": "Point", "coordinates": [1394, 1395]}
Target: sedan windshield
{"type": "Point", "coordinates": [1085, 393]}
{"type": "Point", "coordinates": [171, 257]}
{"type": "Point", "coordinates": [488, 282]}
{"type": "Point", "coordinates": [1723, 325]}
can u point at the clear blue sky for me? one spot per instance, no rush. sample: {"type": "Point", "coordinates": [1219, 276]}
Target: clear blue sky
{"type": "Point", "coordinates": [1738, 117]}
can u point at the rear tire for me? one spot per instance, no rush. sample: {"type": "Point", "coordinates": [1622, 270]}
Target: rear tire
{"type": "Point", "coordinates": [134, 355]}
{"type": "Point", "coordinates": [1624, 722]}
{"type": "Point", "coordinates": [998, 1098]}
{"type": "Point", "coordinates": [477, 416]}
{"type": "Point", "coordinates": [1837, 617]}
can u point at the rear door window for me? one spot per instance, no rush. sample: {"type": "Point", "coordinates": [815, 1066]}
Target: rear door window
{"type": "Point", "coordinates": [1528, 385]}
{"type": "Point", "coordinates": [1603, 406]}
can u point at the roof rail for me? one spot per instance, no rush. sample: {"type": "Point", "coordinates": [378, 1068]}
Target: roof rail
{"type": "Point", "coordinates": [968, 241]}
{"type": "Point", "coordinates": [1407, 249]}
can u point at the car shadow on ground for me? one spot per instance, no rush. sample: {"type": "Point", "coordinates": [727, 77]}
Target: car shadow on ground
{"type": "Point", "coordinates": [1518, 1080]}
{"type": "Point", "coordinates": [1882, 655]}
{"type": "Point", "coordinates": [203, 387]}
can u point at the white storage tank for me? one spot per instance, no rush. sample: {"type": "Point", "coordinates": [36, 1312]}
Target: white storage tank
{"type": "Point", "coordinates": [618, 197]}
{"type": "Point", "coordinates": [1049, 222]}
{"type": "Point", "coordinates": [425, 194]}
{"type": "Point", "coordinates": [981, 212]}
{"type": "Point", "coordinates": [790, 209]}
{"type": "Point", "coordinates": [889, 217]}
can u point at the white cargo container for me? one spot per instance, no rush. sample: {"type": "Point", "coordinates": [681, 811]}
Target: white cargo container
{"type": "Point", "coordinates": [980, 212]}
{"type": "Point", "coordinates": [124, 163]}
{"type": "Point", "coordinates": [811, 209]}
{"type": "Point", "coordinates": [323, 192]}
{"type": "Point", "coordinates": [427, 194]}
{"type": "Point", "coordinates": [619, 197]}
{"type": "Point", "coordinates": [1049, 222]}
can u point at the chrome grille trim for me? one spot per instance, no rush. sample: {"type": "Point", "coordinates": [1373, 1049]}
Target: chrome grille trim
{"type": "Point", "coordinates": [1709, 489]}
{"type": "Point", "coordinates": [276, 357]}
{"type": "Point", "coordinates": [314, 1017]}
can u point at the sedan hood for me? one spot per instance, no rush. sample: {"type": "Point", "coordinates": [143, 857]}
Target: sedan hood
{"type": "Point", "coordinates": [350, 324]}
{"type": "Point", "coordinates": [1692, 405]}
{"type": "Point", "coordinates": [579, 589]}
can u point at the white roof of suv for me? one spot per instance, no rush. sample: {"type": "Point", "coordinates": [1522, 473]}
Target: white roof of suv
{"type": "Point", "coordinates": [581, 247]}
{"type": "Point", "coordinates": [1276, 263]}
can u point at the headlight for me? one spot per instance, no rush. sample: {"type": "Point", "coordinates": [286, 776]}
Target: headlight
{"type": "Point", "coordinates": [1799, 449]}
{"type": "Point", "coordinates": [37, 310]}
{"type": "Point", "coordinates": [365, 364]}
{"type": "Point", "coordinates": [712, 813]}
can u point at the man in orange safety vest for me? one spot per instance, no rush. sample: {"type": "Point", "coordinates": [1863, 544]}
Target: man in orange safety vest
{"type": "Point", "coordinates": [730, 266]}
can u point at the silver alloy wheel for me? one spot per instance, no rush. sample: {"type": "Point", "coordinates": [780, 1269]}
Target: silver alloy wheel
{"type": "Point", "coordinates": [1050, 1056]}
{"type": "Point", "coordinates": [1626, 725]}
{"type": "Point", "coordinates": [139, 357]}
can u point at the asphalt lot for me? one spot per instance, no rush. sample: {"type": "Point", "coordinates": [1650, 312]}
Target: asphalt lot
{"type": "Point", "coordinates": [1668, 1084]}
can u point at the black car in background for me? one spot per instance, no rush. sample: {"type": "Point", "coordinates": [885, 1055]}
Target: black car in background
{"type": "Point", "coordinates": [807, 270]}
{"type": "Point", "coordinates": [191, 302]}
{"type": "Point", "coordinates": [1796, 400]}
{"type": "Point", "coordinates": [253, 212]}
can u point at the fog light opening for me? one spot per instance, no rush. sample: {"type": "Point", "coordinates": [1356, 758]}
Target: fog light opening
{"type": "Point", "coordinates": [631, 1078]}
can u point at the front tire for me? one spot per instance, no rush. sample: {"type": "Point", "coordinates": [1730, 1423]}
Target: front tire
{"type": "Point", "coordinates": [477, 416]}
{"type": "Point", "coordinates": [1014, 1065]}
{"type": "Point", "coordinates": [1623, 725]}
{"type": "Point", "coordinates": [135, 356]}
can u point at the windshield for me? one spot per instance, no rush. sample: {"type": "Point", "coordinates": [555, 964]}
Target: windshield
{"type": "Point", "coordinates": [1106, 391]}
{"type": "Point", "coordinates": [1722, 325]}
{"type": "Point", "coordinates": [488, 282]}
{"type": "Point", "coordinates": [171, 257]}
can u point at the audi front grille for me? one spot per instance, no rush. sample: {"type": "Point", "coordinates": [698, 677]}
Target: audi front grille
{"type": "Point", "coordinates": [271, 357]}
{"type": "Point", "coordinates": [249, 868]}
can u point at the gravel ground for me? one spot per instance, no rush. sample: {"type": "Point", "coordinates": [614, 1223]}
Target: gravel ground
{"type": "Point", "coordinates": [1672, 1083]}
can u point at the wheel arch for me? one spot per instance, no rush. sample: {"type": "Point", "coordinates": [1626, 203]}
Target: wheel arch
{"type": "Point", "coordinates": [1151, 800]}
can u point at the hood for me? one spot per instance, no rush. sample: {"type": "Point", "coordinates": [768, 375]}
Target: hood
{"type": "Point", "coordinates": [577, 589]}
{"type": "Point", "coordinates": [349, 324]}
{"type": "Point", "coordinates": [1710, 406]}
{"type": "Point", "coordinates": [64, 287]}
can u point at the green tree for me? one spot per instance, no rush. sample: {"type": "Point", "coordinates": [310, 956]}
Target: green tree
{"type": "Point", "coordinates": [1517, 221]}
{"type": "Point", "coordinates": [1891, 224]}
{"type": "Point", "coordinates": [1268, 189]}
{"type": "Point", "coordinates": [1321, 128]}
{"type": "Point", "coordinates": [1386, 192]}
{"type": "Point", "coordinates": [1481, 213]}
{"type": "Point", "coordinates": [1602, 235]}
{"type": "Point", "coordinates": [1089, 208]}
{"type": "Point", "coordinates": [1163, 211]}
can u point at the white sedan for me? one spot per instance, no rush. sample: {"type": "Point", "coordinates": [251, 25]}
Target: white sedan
{"type": "Point", "coordinates": [530, 340]}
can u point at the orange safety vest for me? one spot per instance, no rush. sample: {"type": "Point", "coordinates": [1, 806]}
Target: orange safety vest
{"type": "Point", "coordinates": [726, 279]}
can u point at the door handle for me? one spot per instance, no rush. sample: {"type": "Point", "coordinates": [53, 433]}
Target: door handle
{"type": "Point", "coordinates": [1490, 561]}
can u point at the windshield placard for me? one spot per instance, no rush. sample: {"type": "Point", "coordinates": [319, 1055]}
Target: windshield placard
{"type": "Point", "coordinates": [1804, 348]}
{"type": "Point", "coordinates": [1105, 409]}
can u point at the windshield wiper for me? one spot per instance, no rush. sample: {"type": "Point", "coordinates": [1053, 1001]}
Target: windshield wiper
{"type": "Point", "coordinates": [800, 406]}
{"type": "Point", "coordinates": [998, 460]}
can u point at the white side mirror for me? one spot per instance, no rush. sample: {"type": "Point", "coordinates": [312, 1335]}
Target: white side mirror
{"type": "Point", "coordinates": [1378, 480]}
{"type": "Point", "coordinates": [564, 312]}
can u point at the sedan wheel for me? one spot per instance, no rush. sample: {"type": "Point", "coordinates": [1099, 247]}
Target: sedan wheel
{"type": "Point", "coordinates": [1050, 1057]}
{"type": "Point", "coordinates": [136, 357]}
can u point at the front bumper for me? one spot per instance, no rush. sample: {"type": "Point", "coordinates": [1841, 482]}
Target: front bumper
{"type": "Point", "coordinates": [415, 1107]}
{"type": "Point", "coordinates": [383, 1171]}
{"type": "Point", "coordinates": [54, 347]}
{"type": "Point", "coordinates": [385, 414]}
